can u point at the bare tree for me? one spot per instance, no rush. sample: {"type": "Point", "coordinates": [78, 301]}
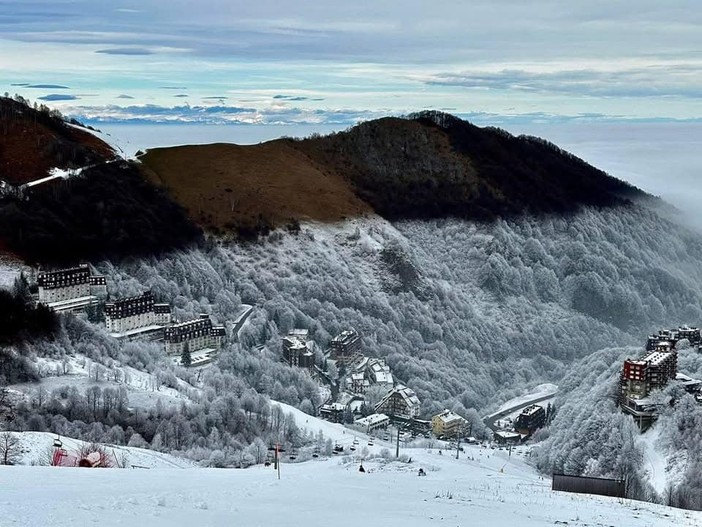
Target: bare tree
{"type": "Point", "coordinates": [9, 449]}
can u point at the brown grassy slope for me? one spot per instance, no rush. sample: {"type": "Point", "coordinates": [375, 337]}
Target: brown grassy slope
{"type": "Point", "coordinates": [430, 166]}
{"type": "Point", "coordinates": [32, 142]}
{"type": "Point", "coordinates": [230, 186]}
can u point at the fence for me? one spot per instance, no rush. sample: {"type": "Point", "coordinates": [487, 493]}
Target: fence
{"type": "Point", "coordinates": [587, 485]}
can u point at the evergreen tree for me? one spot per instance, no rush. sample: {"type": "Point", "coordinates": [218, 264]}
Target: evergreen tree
{"type": "Point", "coordinates": [185, 357]}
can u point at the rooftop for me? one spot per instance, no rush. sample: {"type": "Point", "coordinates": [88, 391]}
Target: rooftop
{"type": "Point", "coordinates": [657, 357]}
{"type": "Point", "coordinates": [531, 410]}
{"type": "Point", "coordinates": [372, 419]}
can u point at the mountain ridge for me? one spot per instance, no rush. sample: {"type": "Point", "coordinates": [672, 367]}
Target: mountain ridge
{"type": "Point", "coordinates": [426, 165]}
{"type": "Point", "coordinates": [34, 140]}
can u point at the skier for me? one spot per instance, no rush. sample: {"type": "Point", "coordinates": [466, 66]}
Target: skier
{"type": "Point", "coordinates": [361, 469]}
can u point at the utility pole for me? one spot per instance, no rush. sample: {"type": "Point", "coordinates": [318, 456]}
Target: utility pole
{"type": "Point", "coordinates": [397, 448]}
{"type": "Point", "coordinates": [276, 457]}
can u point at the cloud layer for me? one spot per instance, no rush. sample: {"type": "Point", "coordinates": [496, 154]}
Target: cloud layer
{"type": "Point", "coordinates": [506, 58]}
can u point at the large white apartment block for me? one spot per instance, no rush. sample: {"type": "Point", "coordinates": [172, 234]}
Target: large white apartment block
{"type": "Point", "coordinates": [64, 284]}
{"type": "Point", "coordinates": [136, 312]}
{"type": "Point", "coordinates": [196, 334]}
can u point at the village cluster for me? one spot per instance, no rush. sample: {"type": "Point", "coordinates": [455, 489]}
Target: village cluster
{"type": "Point", "coordinates": [196, 342]}
{"type": "Point", "coordinates": [398, 405]}
{"type": "Point", "coordinates": [654, 370]}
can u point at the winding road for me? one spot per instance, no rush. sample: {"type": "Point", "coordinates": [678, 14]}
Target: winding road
{"type": "Point", "coordinates": [240, 322]}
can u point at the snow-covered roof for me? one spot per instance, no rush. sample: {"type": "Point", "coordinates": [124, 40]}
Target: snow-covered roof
{"type": "Point", "coordinates": [657, 357]}
{"type": "Point", "coordinates": [533, 409]}
{"type": "Point", "coordinates": [410, 398]}
{"type": "Point", "coordinates": [334, 407]}
{"type": "Point", "coordinates": [447, 417]}
{"type": "Point", "coordinates": [505, 434]}
{"type": "Point", "coordinates": [372, 419]}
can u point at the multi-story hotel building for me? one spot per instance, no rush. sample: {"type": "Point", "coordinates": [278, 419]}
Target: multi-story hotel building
{"type": "Point", "coordinates": [137, 312]}
{"type": "Point", "coordinates": [71, 289]}
{"type": "Point", "coordinates": [197, 334]}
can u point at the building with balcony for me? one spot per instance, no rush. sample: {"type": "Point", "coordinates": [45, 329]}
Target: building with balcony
{"type": "Point", "coordinates": [531, 419]}
{"type": "Point", "coordinates": [297, 349]}
{"type": "Point", "coordinates": [448, 425]}
{"type": "Point", "coordinates": [198, 334]}
{"type": "Point", "coordinates": [653, 371]}
{"type": "Point", "coordinates": [400, 402]}
{"type": "Point", "coordinates": [667, 339]}
{"type": "Point", "coordinates": [70, 289]}
{"type": "Point", "coordinates": [137, 316]}
{"type": "Point", "coordinates": [373, 422]}
{"type": "Point", "coordinates": [346, 347]}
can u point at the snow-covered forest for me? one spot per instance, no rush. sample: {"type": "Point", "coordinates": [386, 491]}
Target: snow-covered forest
{"type": "Point", "coordinates": [465, 314]}
{"type": "Point", "coordinates": [468, 315]}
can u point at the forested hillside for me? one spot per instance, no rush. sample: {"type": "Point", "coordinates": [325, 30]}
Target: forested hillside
{"type": "Point", "coordinates": [489, 310]}
{"type": "Point", "coordinates": [35, 139]}
{"type": "Point", "coordinates": [104, 209]}
{"type": "Point", "coordinates": [435, 165]}
{"type": "Point", "coordinates": [427, 166]}
{"type": "Point", "coordinates": [468, 315]}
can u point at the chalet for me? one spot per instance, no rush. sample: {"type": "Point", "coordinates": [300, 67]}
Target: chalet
{"type": "Point", "coordinates": [297, 349]}
{"type": "Point", "coordinates": [531, 419]}
{"type": "Point", "coordinates": [373, 422]}
{"type": "Point", "coordinates": [357, 383]}
{"type": "Point", "coordinates": [448, 425]}
{"type": "Point", "coordinates": [400, 402]}
{"type": "Point", "coordinates": [137, 314]}
{"type": "Point", "coordinates": [346, 347]}
{"type": "Point", "coordinates": [333, 412]}
{"type": "Point", "coordinates": [379, 373]}
{"type": "Point", "coordinates": [71, 289]}
{"type": "Point", "coordinates": [505, 437]}
{"type": "Point", "coordinates": [197, 334]}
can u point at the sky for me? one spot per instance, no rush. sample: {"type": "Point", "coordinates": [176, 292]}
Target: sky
{"type": "Point", "coordinates": [338, 62]}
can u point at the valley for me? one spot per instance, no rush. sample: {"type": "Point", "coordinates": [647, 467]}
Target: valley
{"type": "Point", "coordinates": [465, 310]}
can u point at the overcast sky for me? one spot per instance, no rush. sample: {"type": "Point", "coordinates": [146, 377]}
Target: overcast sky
{"type": "Point", "coordinates": [339, 61]}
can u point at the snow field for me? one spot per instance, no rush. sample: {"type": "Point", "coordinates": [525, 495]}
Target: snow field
{"type": "Point", "coordinates": [489, 489]}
